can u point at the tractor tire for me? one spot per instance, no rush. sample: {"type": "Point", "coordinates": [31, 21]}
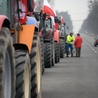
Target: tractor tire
{"type": "Point", "coordinates": [47, 55]}
{"type": "Point", "coordinates": [36, 67]}
{"type": "Point", "coordinates": [23, 74]}
{"type": "Point", "coordinates": [7, 65]}
{"type": "Point", "coordinates": [56, 53]}
{"type": "Point", "coordinates": [53, 53]}
{"type": "Point", "coordinates": [62, 47]}
{"type": "Point", "coordinates": [42, 55]}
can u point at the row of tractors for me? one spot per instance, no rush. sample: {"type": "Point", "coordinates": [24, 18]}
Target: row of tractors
{"type": "Point", "coordinates": [26, 48]}
{"type": "Point", "coordinates": [53, 39]}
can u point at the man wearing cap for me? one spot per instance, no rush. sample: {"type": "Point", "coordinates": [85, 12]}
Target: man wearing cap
{"type": "Point", "coordinates": [70, 39]}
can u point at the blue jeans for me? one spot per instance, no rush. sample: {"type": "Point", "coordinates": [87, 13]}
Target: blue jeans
{"type": "Point", "coordinates": [69, 46]}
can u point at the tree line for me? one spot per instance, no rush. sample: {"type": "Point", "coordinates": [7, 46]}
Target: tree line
{"type": "Point", "coordinates": [90, 24]}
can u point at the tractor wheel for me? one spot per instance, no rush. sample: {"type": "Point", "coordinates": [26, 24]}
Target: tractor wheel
{"type": "Point", "coordinates": [7, 65]}
{"type": "Point", "coordinates": [58, 45]}
{"type": "Point", "coordinates": [36, 67]}
{"type": "Point", "coordinates": [42, 54]}
{"type": "Point", "coordinates": [23, 76]}
{"type": "Point", "coordinates": [53, 53]}
{"type": "Point", "coordinates": [62, 48]}
{"type": "Point", "coordinates": [56, 53]}
{"type": "Point", "coordinates": [47, 54]}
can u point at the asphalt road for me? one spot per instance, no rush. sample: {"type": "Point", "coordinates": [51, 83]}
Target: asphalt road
{"type": "Point", "coordinates": [74, 77]}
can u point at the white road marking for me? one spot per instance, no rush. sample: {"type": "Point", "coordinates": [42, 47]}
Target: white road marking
{"type": "Point", "coordinates": [90, 46]}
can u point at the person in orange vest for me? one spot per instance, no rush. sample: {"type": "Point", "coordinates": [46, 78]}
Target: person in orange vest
{"type": "Point", "coordinates": [78, 45]}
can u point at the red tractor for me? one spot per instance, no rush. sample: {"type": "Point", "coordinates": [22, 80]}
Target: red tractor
{"type": "Point", "coordinates": [20, 61]}
{"type": "Point", "coordinates": [60, 27]}
{"type": "Point", "coordinates": [46, 31]}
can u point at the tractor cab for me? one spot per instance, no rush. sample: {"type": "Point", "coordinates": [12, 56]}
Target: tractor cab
{"type": "Point", "coordinates": [60, 25]}
{"type": "Point", "coordinates": [46, 26]}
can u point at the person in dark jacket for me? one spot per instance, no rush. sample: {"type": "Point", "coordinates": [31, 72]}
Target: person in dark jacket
{"type": "Point", "coordinates": [78, 45]}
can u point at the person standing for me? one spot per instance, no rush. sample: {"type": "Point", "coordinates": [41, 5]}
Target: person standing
{"type": "Point", "coordinates": [69, 40]}
{"type": "Point", "coordinates": [78, 45]}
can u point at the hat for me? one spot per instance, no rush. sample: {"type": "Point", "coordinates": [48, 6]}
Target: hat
{"type": "Point", "coordinates": [71, 32]}
{"type": "Point", "coordinates": [78, 34]}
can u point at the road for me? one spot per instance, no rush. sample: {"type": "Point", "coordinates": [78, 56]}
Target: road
{"type": "Point", "coordinates": [74, 77]}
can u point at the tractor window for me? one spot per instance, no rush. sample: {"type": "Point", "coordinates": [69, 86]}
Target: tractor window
{"type": "Point", "coordinates": [48, 23]}
{"type": "Point", "coordinates": [4, 6]}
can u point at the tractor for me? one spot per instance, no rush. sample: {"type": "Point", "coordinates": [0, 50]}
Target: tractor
{"type": "Point", "coordinates": [60, 27]}
{"type": "Point", "coordinates": [20, 54]}
{"type": "Point", "coordinates": [46, 32]}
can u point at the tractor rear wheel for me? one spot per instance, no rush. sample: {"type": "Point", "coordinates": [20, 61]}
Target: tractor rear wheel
{"type": "Point", "coordinates": [56, 52]}
{"type": "Point", "coordinates": [42, 54]}
{"type": "Point", "coordinates": [36, 67]}
{"type": "Point", "coordinates": [48, 54]}
{"type": "Point", "coordinates": [22, 74]}
{"type": "Point", "coordinates": [53, 53]}
{"type": "Point", "coordinates": [62, 48]}
{"type": "Point", "coordinates": [7, 65]}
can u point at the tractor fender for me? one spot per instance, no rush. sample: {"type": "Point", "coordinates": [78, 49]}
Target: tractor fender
{"type": "Point", "coordinates": [4, 22]}
{"type": "Point", "coordinates": [26, 35]}
{"type": "Point", "coordinates": [20, 46]}
{"type": "Point", "coordinates": [56, 36]}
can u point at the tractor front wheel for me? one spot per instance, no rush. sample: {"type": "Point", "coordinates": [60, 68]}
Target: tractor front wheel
{"type": "Point", "coordinates": [23, 74]}
{"type": "Point", "coordinates": [48, 54]}
{"type": "Point", "coordinates": [62, 48]}
{"type": "Point", "coordinates": [7, 65]}
{"type": "Point", "coordinates": [36, 67]}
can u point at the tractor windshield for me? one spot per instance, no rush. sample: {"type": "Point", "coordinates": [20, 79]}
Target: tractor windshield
{"type": "Point", "coordinates": [4, 7]}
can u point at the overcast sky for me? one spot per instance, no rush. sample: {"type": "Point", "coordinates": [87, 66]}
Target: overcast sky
{"type": "Point", "coordinates": [78, 9]}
